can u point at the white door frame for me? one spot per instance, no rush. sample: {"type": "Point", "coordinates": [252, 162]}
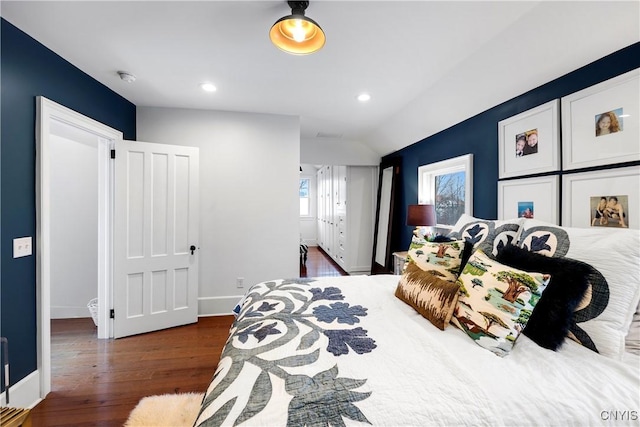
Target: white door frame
{"type": "Point", "coordinates": [46, 112]}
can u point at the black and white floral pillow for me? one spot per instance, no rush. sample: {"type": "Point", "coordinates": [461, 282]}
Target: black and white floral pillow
{"type": "Point", "coordinates": [486, 235]}
{"type": "Point", "coordinates": [604, 316]}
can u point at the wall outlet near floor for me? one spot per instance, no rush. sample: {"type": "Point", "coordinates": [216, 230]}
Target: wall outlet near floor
{"type": "Point", "coordinates": [22, 246]}
{"type": "Point", "coordinates": [240, 282]}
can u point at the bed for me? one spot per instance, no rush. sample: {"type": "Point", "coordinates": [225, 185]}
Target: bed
{"type": "Point", "coordinates": [348, 351]}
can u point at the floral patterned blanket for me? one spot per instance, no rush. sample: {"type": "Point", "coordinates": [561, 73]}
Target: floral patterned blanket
{"type": "Point", "coordinates": [340, 351]}
{"type": "Point", "coordinates": [281, 315]}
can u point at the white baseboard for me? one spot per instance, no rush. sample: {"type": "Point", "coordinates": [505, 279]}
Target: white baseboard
{"type": "Point", "coordinates": [25, 393]}
{"type": "Point", "coordinates": [217, 306]}
{"type": "Point", "coordinates": [67, 312]}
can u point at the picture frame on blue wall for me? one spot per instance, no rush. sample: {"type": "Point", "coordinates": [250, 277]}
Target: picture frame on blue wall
{"type": "Point", "coordinates": [581, 191]}
{"type": "Point", "coordinates": [529, 142]}
{"type": "Point", "coordinates": [530, 198]}
{"type": "Point", "coordinates": [600, 124]}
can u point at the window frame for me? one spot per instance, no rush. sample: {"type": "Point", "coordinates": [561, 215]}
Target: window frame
{"type": "Point", "coordinates": [310, 213]}
{"type": "Point", "coordinates": [427, 178]}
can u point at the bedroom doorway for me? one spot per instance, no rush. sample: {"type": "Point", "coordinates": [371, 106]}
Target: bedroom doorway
{"type": "Point", "coordinates": [146, 231]}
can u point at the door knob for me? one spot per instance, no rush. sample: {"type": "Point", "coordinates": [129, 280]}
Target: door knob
{"type": "Point", "coordinates": [192, 248]}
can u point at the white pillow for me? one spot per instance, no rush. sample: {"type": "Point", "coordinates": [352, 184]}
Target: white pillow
{"type": "Point", "coordinates": [606, 312]}
{"type": "Point", "coordinates": [632, 342]}
{"type": "Point", "coordinates": [486, 234]}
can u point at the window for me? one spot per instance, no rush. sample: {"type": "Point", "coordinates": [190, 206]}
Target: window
{"type": "Point", "coordinates": [448, 186]}
{"type": "Point", "coordinates": [305, 205]}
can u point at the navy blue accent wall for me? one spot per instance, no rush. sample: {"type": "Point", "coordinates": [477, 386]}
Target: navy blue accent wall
{"type": "Point", "coordinates": [29, 69]}
{"type": "Point", "coordinates": [479, 135]}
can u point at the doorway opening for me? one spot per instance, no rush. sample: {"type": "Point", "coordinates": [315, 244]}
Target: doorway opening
{"type": "Point", "coordinates": [61, 130]}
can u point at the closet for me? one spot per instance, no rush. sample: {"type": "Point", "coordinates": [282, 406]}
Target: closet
{"type": "Point", "coordinates": [346, 212]}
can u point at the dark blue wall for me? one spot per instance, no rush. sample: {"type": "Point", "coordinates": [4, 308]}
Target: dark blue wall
{"type": "Point", "coordinates": [29, 69]}
{"type": "Point", "coordinates": [479, 135]}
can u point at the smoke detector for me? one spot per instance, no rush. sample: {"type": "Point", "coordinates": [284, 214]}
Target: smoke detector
{"type": "Point", "coordinates": [127, 77]}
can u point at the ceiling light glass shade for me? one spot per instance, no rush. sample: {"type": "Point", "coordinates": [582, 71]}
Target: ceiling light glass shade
{"type": "Point", "coordinates": [297, 34]}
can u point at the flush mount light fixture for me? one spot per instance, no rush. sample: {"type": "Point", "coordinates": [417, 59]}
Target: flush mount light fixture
{"type": "Point", "coordinates": [364, 97]}
{"type": "Point", "coordinates": [127, 77]}
{"type": "Point", "coordinates": [295, 33]}
{"type": "Point", "coordinates": [208, 87]}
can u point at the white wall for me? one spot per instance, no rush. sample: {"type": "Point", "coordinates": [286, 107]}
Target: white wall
{"type": "Point", "coordinates": [308, 225]}
{"type": "Point", "coordinates": [74, 216]}
{"type": "Point", "coordinates": [334, 151]}
{"type": "Point", "coordinates": [249, 204]}
{"type": "Point", "coordinates": [447, 101]}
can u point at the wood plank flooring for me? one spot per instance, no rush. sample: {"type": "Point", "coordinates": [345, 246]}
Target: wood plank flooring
{"type": "Point", "coordinates": [98, 382]}
{"type": "Point", "coordinates": [319, 264]}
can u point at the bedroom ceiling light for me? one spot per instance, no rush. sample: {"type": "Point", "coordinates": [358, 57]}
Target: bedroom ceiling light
{"type": "Point", "coordinates": [364, 97]}
{"type": "Point", "coordinates": [295, 33]}
{"type": "Point", "coordinates": [208, 87]}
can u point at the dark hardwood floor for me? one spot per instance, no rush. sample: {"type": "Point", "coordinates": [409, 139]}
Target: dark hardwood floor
{"type": "Point", "coordinates": [98, 382]}
{"type": "Point", "coordinates": [320, 264]}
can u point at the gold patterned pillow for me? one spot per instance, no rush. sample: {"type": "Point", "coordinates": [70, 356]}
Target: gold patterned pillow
{"type": "Point", "coordinates": [428, 294]}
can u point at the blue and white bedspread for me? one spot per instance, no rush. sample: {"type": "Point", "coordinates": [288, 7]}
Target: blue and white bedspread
{"type": "Point", "coordinates": [345, 351]}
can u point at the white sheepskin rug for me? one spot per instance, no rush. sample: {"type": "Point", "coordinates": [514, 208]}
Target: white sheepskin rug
{"type": "Point", "coordinates": [170, 410]}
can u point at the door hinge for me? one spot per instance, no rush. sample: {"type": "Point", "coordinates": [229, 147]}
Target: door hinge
{"type": "Point", "coordinates": [112, 314]}
{"type": "Point", "coordinates": [113, 154]}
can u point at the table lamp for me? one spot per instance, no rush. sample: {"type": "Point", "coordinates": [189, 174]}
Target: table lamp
{"type": "Point", "coordinates": [421, 216]}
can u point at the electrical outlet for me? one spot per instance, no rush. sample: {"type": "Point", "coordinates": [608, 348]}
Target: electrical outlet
{"type": "Point", "coordinates": [22, 247]}
{"type": "Point", "coordinates": [240, 282]}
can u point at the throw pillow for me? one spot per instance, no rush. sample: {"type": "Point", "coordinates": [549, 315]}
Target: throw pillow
{"type": "Point", "coordinates": [429, 295]}
{"type": "Point", "coordinates": [552, 319]}
{"type": "Point", "coordinates": [495, 302]}
{"type": "Point", "coordinates": [487, 235]}
{"type": "Point", "coordinates": [442, 259]}
{"type": "Point", "coordinates": [632, 341]}
{"type": "Point", "coordinates": [603, 317]}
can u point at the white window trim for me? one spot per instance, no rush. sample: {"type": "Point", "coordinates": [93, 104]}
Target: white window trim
{"type": "Point", "coordinates": [426, 181]}
{"type": "Point", "coordinates": [311, 214]}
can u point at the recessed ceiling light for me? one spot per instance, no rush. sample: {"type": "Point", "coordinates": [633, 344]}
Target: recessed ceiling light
{"type": "Point", "coordinates": [364, 97]}
{"type": "Point", "coordinates": [208, 87]}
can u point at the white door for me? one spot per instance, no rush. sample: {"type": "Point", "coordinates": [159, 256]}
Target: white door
{"type": "Point", "coordinates": [155, 256]}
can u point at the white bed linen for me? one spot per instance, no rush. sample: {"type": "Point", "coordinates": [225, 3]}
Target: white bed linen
{"type": "Point", "coordinates": [419, 375]}
{"type": "Point", "coordinates": [531, 386]}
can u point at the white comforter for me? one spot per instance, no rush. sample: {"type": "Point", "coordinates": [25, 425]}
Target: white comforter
{"type": "Point", "coordinates": [418, 375]}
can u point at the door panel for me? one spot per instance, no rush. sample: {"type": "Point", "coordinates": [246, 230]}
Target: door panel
{"type": "Point", "coordinates": [156, 223]}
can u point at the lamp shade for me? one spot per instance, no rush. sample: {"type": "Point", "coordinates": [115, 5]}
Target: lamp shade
{"type": "Point", "coordinates": [421, 215]}
{"type": "Point", "coordinates": [297, 34]}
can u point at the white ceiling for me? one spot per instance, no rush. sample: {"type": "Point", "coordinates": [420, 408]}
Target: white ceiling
{"type": "Point", "coordinates": [427, 64]}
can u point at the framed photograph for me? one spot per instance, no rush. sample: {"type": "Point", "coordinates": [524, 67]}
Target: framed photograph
{"type": "Point", "coordinates": [605, 198]}
{"type": "Point", "coordinates": [528, 143]}
{"type": "Point", "coordinates": [529, 198]}
{"type": "Point", "coordinates": [600, 123]}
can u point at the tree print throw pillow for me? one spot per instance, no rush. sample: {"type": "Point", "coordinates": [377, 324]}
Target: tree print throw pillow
{"type": "Point", "coordinates": [442, 259]}
{"type": "Point", "coordinates": [496, 301]}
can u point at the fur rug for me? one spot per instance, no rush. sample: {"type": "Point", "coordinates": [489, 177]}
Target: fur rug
{"type": "Point", "coordinates": [171, 410]}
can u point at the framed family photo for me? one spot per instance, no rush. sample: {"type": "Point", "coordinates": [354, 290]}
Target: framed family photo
{"type": "Point", "coordinates": [529, 143]}
{"type": "Point", "coordinates": [606, 198]}
{"type": "Point", "coordinates": [529, 198]}
{"type": "Point", "coordinates": [600, 124]}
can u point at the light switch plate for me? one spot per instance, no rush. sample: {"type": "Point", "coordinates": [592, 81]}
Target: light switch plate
{"type": "Point", "coordinates": [22, 247]}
